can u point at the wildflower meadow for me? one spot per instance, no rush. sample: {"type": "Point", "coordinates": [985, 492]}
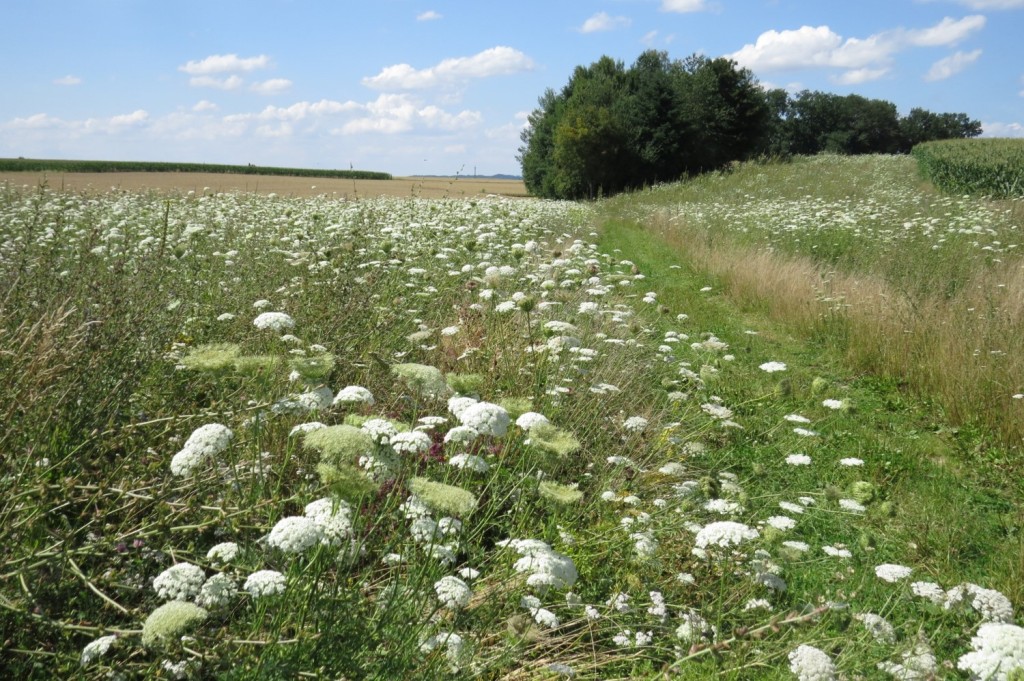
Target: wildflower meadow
{"type": "Point", "coordinates": [262, 437]}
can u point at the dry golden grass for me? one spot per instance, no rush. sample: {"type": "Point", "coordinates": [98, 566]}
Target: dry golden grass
{"type": "Point", "coordinates": [425, 187]}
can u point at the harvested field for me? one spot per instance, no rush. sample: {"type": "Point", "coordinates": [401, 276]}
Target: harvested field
{"type": "Point", "coordinates": [426, 187]}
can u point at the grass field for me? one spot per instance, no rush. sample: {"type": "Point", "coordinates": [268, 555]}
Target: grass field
{"type": "Point", "coordinates": [431, 188]}
{"type": "Point", "coordinates": [256, 436]}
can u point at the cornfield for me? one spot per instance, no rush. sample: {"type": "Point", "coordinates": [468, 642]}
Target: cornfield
{"type": "Point", "coordinates": [994, 167]}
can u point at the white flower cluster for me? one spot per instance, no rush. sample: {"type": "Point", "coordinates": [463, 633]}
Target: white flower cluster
{"type": "Point", "coordinates": [453, 593]}
{"type": "Point", "coordinates": [265, 583]}
{"type": "Point", "coordinates": [989, 603]}
{"type": "Point", "coordinates": [455, 647]}
{"type": "Point", "coordinates": [218, 591]}
{"type": "Point", "coordinates": [811, 664]}
{"type": "Point", "coordinates": [997, 651]}
{"type": "Point", "coordinates": [889, 572]}
{"type": "Point", "coordinates": [333, 519]}
{"type": "Point", "coordinates": [530, 419]}
{"type": "Point", "coordinates": [635, 424]}
{"type": "Point", "coordinates": [486, 419]}
{"type": "Point", "coordinates": [723, 534]}
{"type": "Point", "coordinates": [224, 552]}
{"type": "Point", "coordinates": [694, 628]}
{"type": "Point", "coordinates": [179, 582]}
{"type": "Point", "coordinates": [204, 442]}
{"type": "Point", "coordinates": [411, 442]}
{"type": "Point", "coordinates": [96, 649]}
{"type": "Point", "coordinates": [354, 394]}
{"type": "Point", "coordinates": [547, 567]}
{"type": "Point", "coordinates": [294, 534]}
{"type": "Point", "coordinates": [918, 664]}
{"type": "Point", "coordinates": [275, 321]}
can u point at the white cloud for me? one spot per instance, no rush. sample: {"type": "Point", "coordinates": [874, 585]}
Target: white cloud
{"type": "Point", "coordinates": [1002, 130]}
{"type": "Point", "coordinates": [992, 4]}
{"type": "Point", "coordinates": [857, 76]}
{"type": "Point", "coordinates": [274, 86]}
{"type": "Point", "coordinates": [137, 116]}
{"type": "Point", "coordinates": [429, 15]}
{"type": "Point", "coordinates": [229, 83]}
{"type": "Point", "coordinates": [111, 124]}
{"type": "Point", "coordinates": [947, 32]}
{"type": "Point", "coordinates": [495, 61]}
{"type": "Point", "coordinates": [602, 21]}
{"type": "Point", "coordinates": [67, 80]}
{"type": "Point", "coordinates": [301, 110]}
{"type": "Point", "coordinates": [224, 63]}
{"type": "Point", "coordinates": [683, 6]}
{"type": "Point", "coordinates": [820, 46]}
{"type": "Point", "coordinates": [396, 113]}
{"type": "Point", "coordinates": [204, 105]}
{"type": "Point", "coordinates": [951, 65]}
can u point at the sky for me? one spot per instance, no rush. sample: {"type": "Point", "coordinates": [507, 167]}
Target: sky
{"type": "Point", "coordinates": [444, 87]}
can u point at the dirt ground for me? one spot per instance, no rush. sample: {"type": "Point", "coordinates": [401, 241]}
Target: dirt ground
{"type": "Point", "coordinates": [425, 187]}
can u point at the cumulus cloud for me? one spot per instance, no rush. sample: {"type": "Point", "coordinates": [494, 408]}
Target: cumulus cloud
{"type": "Point", "coordinates": [396, 113]}
{"type": "Point", "coordinates": [224, 63]}
{"type": "Point", "coordinates": [429, 15]}
{"type": "Point", "coordinates": [496, 61]}
{"type": "Point", "coordinates": [857, 76]}
{"type": "Point", "coordinates": [1002, 130]}
{"type": "Point", "coordinates": [863, 58]}
{"type": "Point", "coordinates": [204, 105]}
{"type": "Point", "coordinates": [229, 83]}
{"type": "Point", "coordinates": [67, 80]}
{"type": "Point", "coordinates": [108, 125]}
{"type": "Point", "coordinates": [274, 86]}
{"type": "Point", "coordinates": [683, 6]}
{"type": "Point", "coordinates": [602, 21]}
{"type": "Point", "coordinates": [951, 65]}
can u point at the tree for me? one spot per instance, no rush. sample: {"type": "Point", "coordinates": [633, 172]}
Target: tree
{"type": "Point", "coordinates": [921, 125]}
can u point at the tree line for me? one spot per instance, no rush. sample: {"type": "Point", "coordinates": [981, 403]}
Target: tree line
{"type": "Point", "coordinates": [613, 128]}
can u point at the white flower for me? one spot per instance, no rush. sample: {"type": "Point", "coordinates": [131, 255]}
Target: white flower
{"type": "Point", "coordinates": [224, 552]}
{"type": "Point", "coordinates": [204, 442]}
{"type": "Point", "coordinates": [96, 649]}
{"type": "Point", "coordinates": [561, 669]}
{"type": "Point", "coordinates": [781, 522]}
{"type": "Point", "coordinates": [919, 664]}
{"type": "Point", "coordinates": [832, 404]}
{"type": "Point", "coordinates": [811, 664]}
{"type": "Point", "coordinates": [461, 435]}
{"type": "Point", "coordinates": [304, 428]}
{"type": "Point", "coordinates": [294, 534]}
{"type": "Point", "coordinates": [219, 590]}
{"type": "Point", "coordinates": [353, 394]}
{"type": "Point", "coordinates": [772, 367]}
{"type": "Point", "coordinates": [545, 618]}
{"type": "Point", "coordinates": [380, 430]}
{"type": "Point", "coordinates": [722, 506]}
{"type": "Point", "coordinates": [796, 418]}
{"type": "Point", "coordinates": [423, 529]}
{"type": "Point", "coordinates": [998, 649]}
{"type": "Point", "coordinates": [992, 605]}
{"type": "Point", "coordinates": [851, 462]}
{"type": "Point", "coordinates": [852, 505]}
{"type": "Point", "coordinates": [453, 593]}
{"type": "Point", "coordinates": [264, 583]}
{"type": "Point", "coordinates": [716, 411]}
{"type": "Point", "coordinates": [791, 507]}
{"type": "Point", "coordinates": [880, 629]}
{"type": "Point", "coordinates": [724, 533]}
{"type": "Point", "coordinates": [694, 627]}
{"type": "Point", "coordinates": [798, 460]}
{"type": "Point", "coordinates": [275, 321]}
{"type": "Point", "coordinates": [635, 424]}
{"type": "Point", "coordinates": [837, 552]}
{"type": "Point", "coordinates": [412, 442]}
{"type": "Point", "coordinates": [530, 419]}
{"type": "Point", "coordinates": [930, 590]}
{"type": "Point", "coordinates": [890, 572]}
{"type": "Point", "coordinates": [547, 567]}
{"type": "Point", "coordinates": [800, 546]}
{"type": "Point", "coordinates": [332, 518]}
{"type": "Point", "coordinates": [486, 419]}
{"type": "Point", "coordinates": [179, 582]}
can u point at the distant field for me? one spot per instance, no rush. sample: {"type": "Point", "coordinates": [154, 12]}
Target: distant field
{"type": "Point", "coordinates": [434, 187]}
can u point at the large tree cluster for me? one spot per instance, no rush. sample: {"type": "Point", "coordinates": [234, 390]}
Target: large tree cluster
{"type": "Point", "coordinates": [613, 128]}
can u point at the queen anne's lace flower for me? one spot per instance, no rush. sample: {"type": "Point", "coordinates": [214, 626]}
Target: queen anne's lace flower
{"type": "Point", "coordinates": [265, 583]}
{"type": "Point", "coordinates": [811, 664]}
{"type": "Point", "coordinates": [204, 442]}
{"type": "Point", "coordinates": [879, 627]}
{"type": "Point", "coordinates": [179, 582]}
{"type": "Point", "coordinates": [219, 590]}
{"type": "Point", "coordinates": [353, 394]}
{"type": "Point", "coordinates": [96, 649]}
{"type": "Point", "coordinates": [332, 518]}
{"type": "Point", "coordinates": [989, 603]}
{"type": "Point", "coordinates": [486, 419]}
{"type": "Point", "coordinates": [470, 462]}
{"type": "Point", "coordinates": [724, 533]}
{"type": "Point", "coordinates": [224, 552]}
{"type": "Point", "coordinates": [453, 593]}
{"type": "Point", "coordinates": [635, 424]}
{"type": "Point", "coordinates": [275, 321]}
{"type": "Point", "coordinates": [530, 419]}
{"type": "Point", "coordinates": [890, 572]}
{"type": "Point", "coordinates": [412, 442]}
{"type": "Point", "coordinates": [547, 567]}
{"type": "Point", "coordinates": [997, 650]}
{"type": "Point", "coordinates": [294, 534]}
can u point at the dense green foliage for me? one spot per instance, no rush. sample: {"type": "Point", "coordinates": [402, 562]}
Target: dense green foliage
{"type": "Point", "coordinates": [613, 128]}
{"type": "Point", "coordinates": [70, 166]}
{"type": "Point", "coordinates": [992, 166]}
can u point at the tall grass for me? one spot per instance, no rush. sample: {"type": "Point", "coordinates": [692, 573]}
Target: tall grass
{"type": "Point", "coordinates": [915, 286]}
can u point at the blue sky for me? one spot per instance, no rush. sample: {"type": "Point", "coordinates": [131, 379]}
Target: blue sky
{"type": "Point", "coordinates": [439, 86]}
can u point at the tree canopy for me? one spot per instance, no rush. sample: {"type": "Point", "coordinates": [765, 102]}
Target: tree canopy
{"type": "Point", "coordinates": [613, 128]}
